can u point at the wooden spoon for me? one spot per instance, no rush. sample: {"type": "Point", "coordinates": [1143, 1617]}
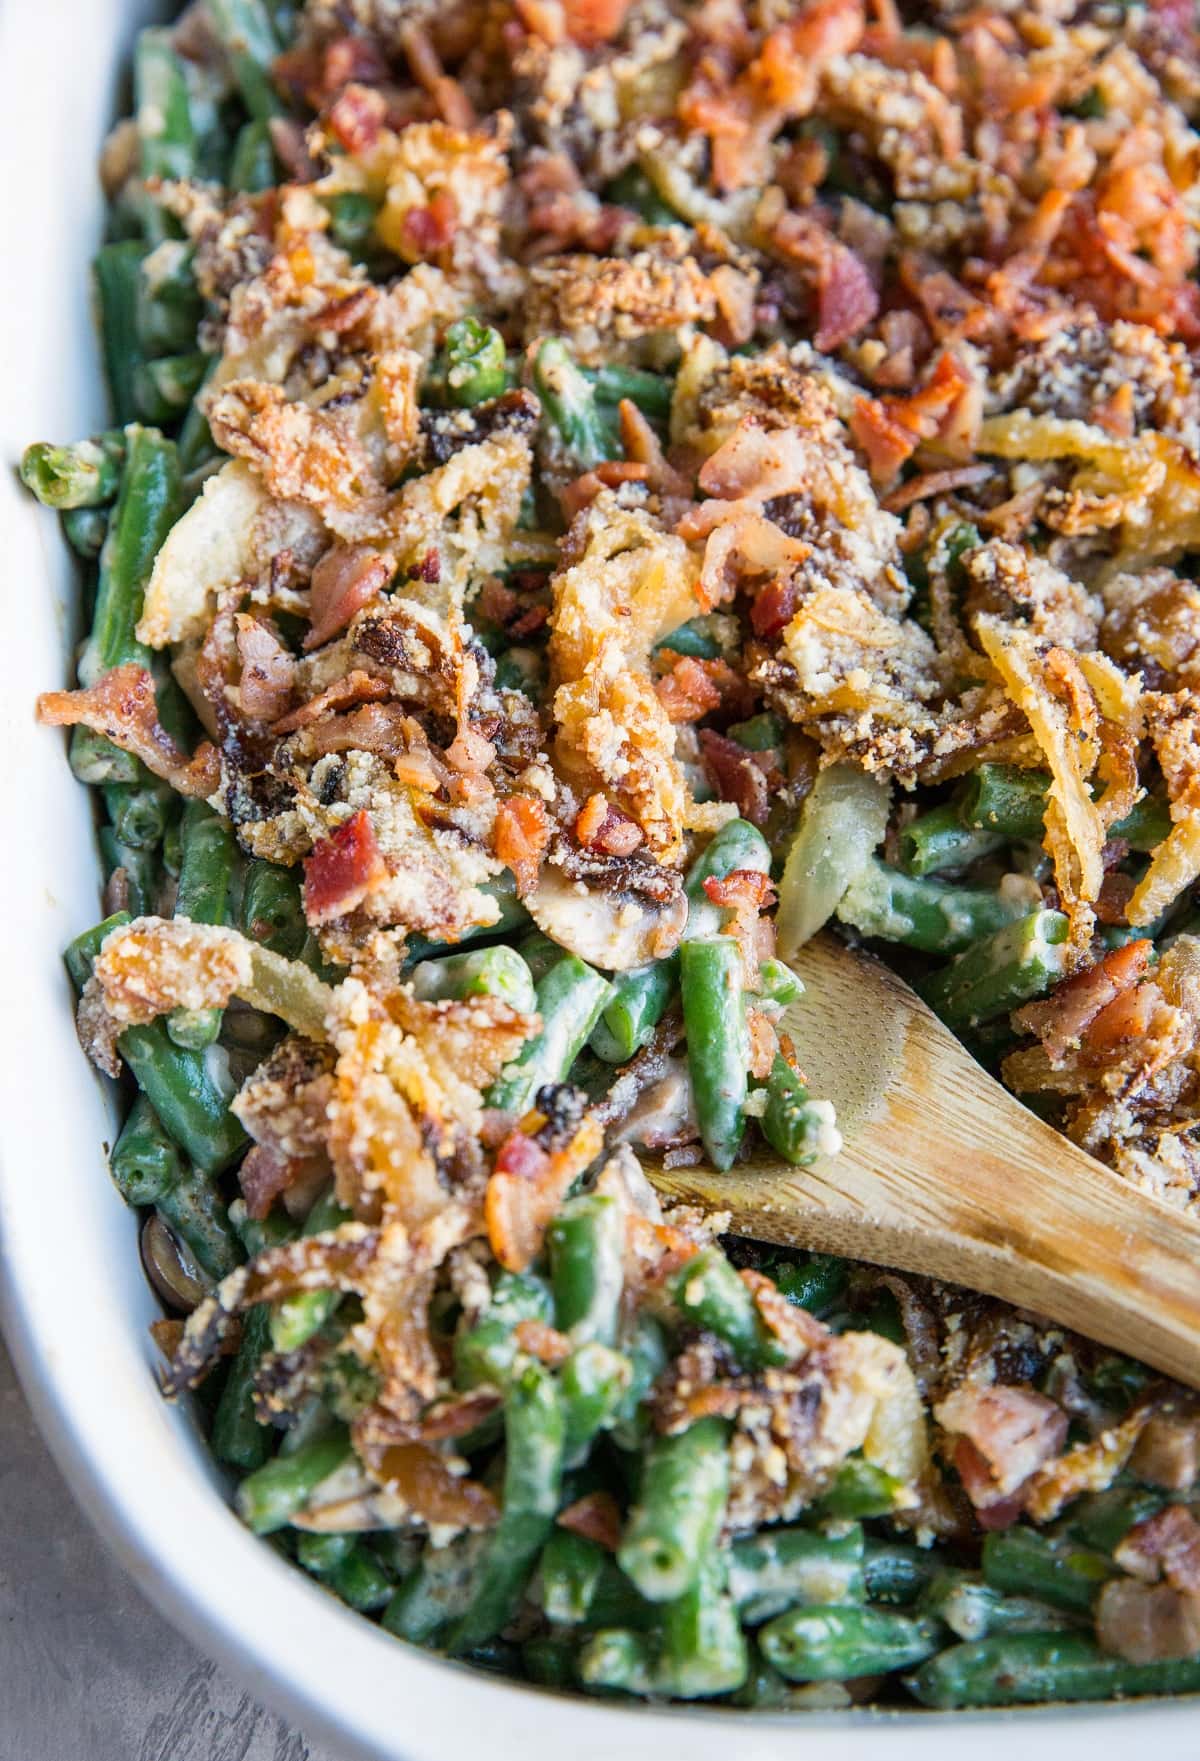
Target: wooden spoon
{"type": "Point", "coordinates": [944, 1172]}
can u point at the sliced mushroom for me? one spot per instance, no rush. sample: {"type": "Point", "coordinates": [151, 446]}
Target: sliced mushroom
{"type": "Point", "coordinates": [609, 925]}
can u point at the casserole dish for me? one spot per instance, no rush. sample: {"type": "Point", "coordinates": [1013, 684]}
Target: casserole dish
{"type": "Point", "coordinates": [76, 1309]}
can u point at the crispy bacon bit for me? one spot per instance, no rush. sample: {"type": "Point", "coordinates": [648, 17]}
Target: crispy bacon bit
{"type": "Point", "coordinates": [596, 1516]}
{"type": "Point", "coordinates": [356, 116]}
{"type": "Point", "coordinates": [1147, 1623]}
{"type": "Point", "coordinates": [687, 692]}
{"type": "Point", "coordinates": [522, 835]}
{"type": "Point", "coordinates": [1168, 1451]}
{"type": "Point", "coordinates": [122, 707]}
{"type": "Point", "coordinates": [931, 483]}
{"type": "Point", "coordinates": [1002, 1436]}
{"type": "Point", "coordinates": [347, 577]}
{"type": "Point", "coordinates": [591, 22]}
{"type": "Point", "coordinates": [603, 827]}
{"type": "Point", "coordinates": [774, 608]}
{"type": "Point", "coordinates": [519, 1205]}
{"type": "Point", "coordinates": [743, 889]}
{"type": "Point", "coordinates": [450, 101]}
{"type": "Point", "coordinates": [846, 296]}
{"type": "Point", "coordinates": [1166, 1545]}
{"type": "Point", "coordinates": [354, 687]}
{"type": "Point", "coordinates": [458, 1415]}
{"type": "Point", "coordinates": [736, 775]}
{"type": "Point", "coordinates": [268, 670]}
{"type": "Point", "coordinates": [609, 474]}
{"type": "Point", "coordinates": [543, 1342]}
{"type": "Point", "coordinates": [263, 1175]}
{"type": "Point", "coordinates": [342, 870]}
{"type": "Point", "coordinates": [426, 232]}
{"type": "Point", "coordinates": [1064, 1017]}
{"type": "Point", "coordinates": [522, 1155]}
{"type": "Point", "coordinates": [890, 429]}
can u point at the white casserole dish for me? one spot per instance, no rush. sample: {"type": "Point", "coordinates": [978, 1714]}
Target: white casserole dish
{"type": "Point", "coordinates": [75, 1305]}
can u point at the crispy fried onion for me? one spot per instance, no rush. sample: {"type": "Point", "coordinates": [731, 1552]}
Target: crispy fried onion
{"type": "Point", "coordinates": [122, 707]}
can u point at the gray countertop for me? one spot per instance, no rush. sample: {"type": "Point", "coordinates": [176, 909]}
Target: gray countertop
{"type": "Point", "coordinates": [89, 1670]}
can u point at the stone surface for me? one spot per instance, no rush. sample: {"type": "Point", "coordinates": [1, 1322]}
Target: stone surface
{"type": "Point", "coordinates": [89, 1671]}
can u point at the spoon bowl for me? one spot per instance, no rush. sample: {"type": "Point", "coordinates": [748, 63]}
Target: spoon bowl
{"type": "Point", "coordinates": [943, 1172]}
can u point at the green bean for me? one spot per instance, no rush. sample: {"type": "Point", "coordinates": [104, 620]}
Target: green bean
{"type": "Point", "coordinates": [813, 1281]}
{"type": "Point", "coordinates": [237, 1437]}
{"type": "Point", "coordinates": [678, 1514]}
{"type": "Point", "coordinates": [709, 1293]}
{"type": "Point", "coordinates": [1022, 1668]}
{"type": "Point", "coordinates": [633, 189]}
{"type": "Point", "coordinates": [837, 1644]}
{"type": "Point", "coordinates": [1023, 961]}
{"type": "Point", "coordinates": [1021, 1562]}
{"type": "Point", "coordinates": [703, 1650]}
{"type": "Point", "coordinates": [718, 1042]}
{"type": "Point", "coordinates": [168, 306]}
{"type": "Point", "coordinates": [195, 445]}
{"type": "Point", "coordinates": [439, 1591]}
{"type": "Point", "coordinates": [569, 999]}
{"type": "Point", "coordinates": [1105, 1518]}
{"type": "Point", "coordinates": [139, 867]}
{"type": "Point", "coordinates": [973, 1609]}
{"type": "Point", "coordinates": [253, 167]}
{"type": "Point", "coordinates": [144, 1162]}
{"type": "Point", "coordinates": [142, 518]}
{"type": "Point", "coordinates": [116, 271]}
{"type": "Point", "coordinates": [645, 1348]}
{"type": "Point", "coordinates": [80, 954]}
{"type": "Point", "coordinates": [245, 29]}
{"type": "Point", "coordinates": [139, 815]}
{"type": "Point", "coordinates": [269, 1498]}
{"type": "Point", "coordinates": [586, 1242]}
{"type": "Point", "coordinates": [619, 1660]}
{"type": "Point", "coordinates": [295, 1318]}
{"type": "Point", "coordinates": [639, 1000]}
{"type": "Point", "coordinates": [778, 986]}
{"type": "Point", "coordinates": [258, 1233]}
{"type": "Point", "coordinates": [512, 916]}
{"type": "Point", "coordinates": [651, 392]}
{"type": "Point", "coordinates": [85, 475]}
{"type": "Point", "coordinates": [474, 366]}
{"type": "Point", "coordinates": [485, 1354]}
{"type": "Point", "coordinates": [194, 1210]}
{"type": "Point", "coordinates": [896, 1572]}
{"type": "Point", "coordinates": [352, 220]}
{"type": "Point", "coordinates": [549, 1661]}
{"type": "Point", "coordinates": [181, 1088]}
{"type": "Point", "coordinates": [319, 1554]}
{"type": "Point", "coordinates": [360, 1580]}
{"type": "Point", "coordinates": [924, 913]}
{"type": "Point", "coordinates": [1145, 825]}
{"type": "Point", "coordinates": [569, 402]}
{"type": "Point", "coordinates": [595, 1379]}
{"type": "Point", "coordinates": [1002, 798]}
{"type": "Point", "coordinates": [569, 1571]}
{"type": "Point", "coordinates": [796, 1127]}
{"type": "Point", "coordinates": [859, 1489]}
{"type": "Point", "coordinates": [166, 134]}
{"type": "Point", "coordinates": [533, 1460]}
{"type": "Point", "coordinates": [937, 842]}
{"type": "Point", "coordinates": [85, 530]}
{"type": "Point", "coordinates": [272, 909]}
{"type": "Point", "coordinates": [208, 860]}
{"type": "Point", "coordinates": [164, 388]}
{"type": "Point", "coordinates": [779, 1567]}
{"type": "Point", "coordinates": [498, 971]}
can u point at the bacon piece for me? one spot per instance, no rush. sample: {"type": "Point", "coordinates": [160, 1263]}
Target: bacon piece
{"type": "Point", "coordinates": [609, 474]}
{"type": "Point", "coordinates": [354, 687]}
{"type": "Point", "coordinates": [596, 1516]}
{"type": "Point", "coordinates": [1168, 1451]}
{"type": "Point", "coordinates": [518, 1206]}
{"type": "Point", "coordinates": [449, 99]}
{"type": "Point", "coordinates": [457, 1415]}
{"type": "Point", "coordinates": [1061, 1019]}
{"type": "Point", "coordinates": [931, 483]}
{"type": "Point", "coordinates": [347, 577]}
{"type": "Point", "coordinates": [591, 22]}
{"type": "Point", "coordinates": [122, 707]}
{"type": "Point", "coordinates": [687, 692]}
{"type": "Point", "coordinates": [774, 608]}
{"type": "Point", "coordinates": [356, 117]}
{"type": "Point", "coordinates": [1147, 1623]}
{"type": "Point", "coordinates": [263, 1175]}
{"type": "Point", "coordinates": [846, 296]}
{"type": "Point", "coordinates": [1010, 1432]}
{"type": "Point", "coordinates": [542, 1341]}
{"type": "Point", "coordinates": [754, 464]}
{"type": "Point", "coordinates": [601, 826]}
{"type": "Point", "coordinates": [268, 670]}
{"type": "Point", "coordinates": [522, 834]}
{"type": "Point", "coordinates": [736, 775]}
{"type": "Point", "coordinates": [890, 429]}
{"type": "Point", "coordinates": [426, 232]}
{"type": "Point", "coordinates": [342, 870]}
{"type": "Point", "coordinates": [1166, 1545]}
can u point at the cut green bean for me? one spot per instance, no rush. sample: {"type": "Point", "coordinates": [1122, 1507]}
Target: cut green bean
{"type": "Point", "coordinates": [440, 1591]}
{"type": "Point", "coordinates": [860, 1489]}
{"type": "Point", "coordinates": [586, 1242]}
{"type": "Point", "coordinates": [166, 134]}
{"type": "Point", "coordinates": [164, 388]}
{"type": "Point", "coordinates": [237, 1437]}
{"type": "Point", "coordinates": [718, 1042]}
{"type": "Point", "coordinates": [485, 1354]}
{"type": "Point", "coordinates": [474, 366]}
{"type": "Point", "coordinates": [195, 1211]}
{"type": "Point", "coordinates": [268, 1499]}
{"type": "Point", "coordinates": [797, 1127]}
{"type": "Point", "coordinates": [924, 913]}
{"type": "Point", "coordinates": [651, 392]}
{"type": "Point", "coordinates": [86, 475]}
{"type": "Point", "coordinates": [837, 1644]}
{"type": "Point", "coordinates": [569, 403]}
{"type": "Point", "coordinates": [295, 1318]}
{"type": "Point", "coordinates": [139, 867]}
{"type": "Point", "coordinates": [1019, 1669]}
{"type": "Point", "coordinates": [85, 530]}
{"type": "Point", "coordinates": [143, 516]}
{"type": "Point", "coordinates": [780, 1567]}
{"type": "Point", "coordinates": [1103, 1519]}
{"type": "Point", "coordinates": [1021, 1562]}
{"type": "Point", "coordinates": [938, 842]}
{"type": "Point", "coordinates": [595, 1379]}
{"type": "Point", "coordinates": [973, 1609]}
{"type": "Point", "coordinates": [678, 1514]}
{"type": "Point", "coordinates": [246, 30]}
{"type": "Point", "coordinates": [116, 271]}
{"type": "Point", "coordinates": [272, 909]}
{"type": "Point", "coordinates": [1018, 963]}
{"type": "Point", "coordinates": [533, 1460]}
{"type": "Point", "coordinates": [253, 167]}
{"type": "Point", "coordinates": [498, 971]}
{"type": "Point", "coordinates": [710, 1294]}
{"type": "Point", "coordinates": [569, 999]}
{"type": "Point", "coordinates": [188, 1092]}
{"type": "Point", "coordinates": [80, 954]}
{"type": "Point", "coordinates": [145, 1163]}
{"type": "Point", "coordinates": [895, 1572]}
{"type": "Point", "coordinates": [204, 895]}
{"type": "Point", "coordinates": [703, 1650]}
